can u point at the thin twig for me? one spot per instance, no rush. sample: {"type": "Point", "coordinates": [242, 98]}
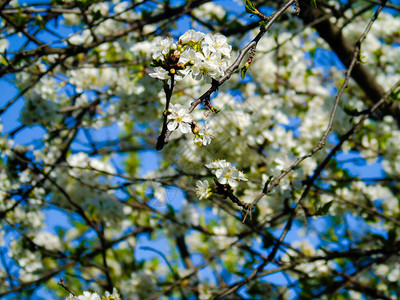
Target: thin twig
{"type": "Point", "coordinates": [65, 286]}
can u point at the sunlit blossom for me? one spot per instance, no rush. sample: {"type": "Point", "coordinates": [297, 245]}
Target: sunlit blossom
{"type": "Point", "coordinates": [203, 190]}
{"type": "Point", "coordinates": [204, 136]}
{"type": "Point", "coordinates": [201, 55]}
{"type": "Point", "coordinates": [162, 46]}
{"type": "Point", "coordinates": [179, 116]}
{"type": "Point", "coordinates": [226, 173]}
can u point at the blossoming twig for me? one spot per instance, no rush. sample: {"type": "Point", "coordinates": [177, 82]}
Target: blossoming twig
{"type": "Point", "coordinates": [214, 46]}
{"type": "Point", "coordinates": [168, 93]}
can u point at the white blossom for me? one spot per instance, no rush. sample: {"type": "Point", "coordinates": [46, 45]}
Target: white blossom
{"type": "Point", "coordinates": [226, 173]}
{"type": "Point", "coordinates": [179, 116]}
{"type": "Point", "coordinates": [3, 45]}
{"type": "Point", "coordinates": [202, 55]}
{"type": "Point", "coordinates": [94, 296]}
{"type": "Point", "coordinates": [208, 66]}
{"type": "Point", "coordinates": [189, 59]}
{"type": "Point", "coordinates": [220, 163]}
{"type": "Point", "coordinates": [203, 189]}
{"type": "Point", "coordinates": [160, 73]}
{"type": "Point", "coordinates": [218, 43]}
{"type": "Point", "coordinates": [191, 36]}
{"type": "Point", "coordinates": [113, 296]}
{"type": "Point", "coordinates": [204, 135]}
{"type": "Point", "coordinates": [162, 46]}
{"type": "Point", "coordinates": [86, 296]}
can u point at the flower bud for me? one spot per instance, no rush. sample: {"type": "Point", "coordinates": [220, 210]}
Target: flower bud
{"type": "Point", "coordinates": [195, 129]}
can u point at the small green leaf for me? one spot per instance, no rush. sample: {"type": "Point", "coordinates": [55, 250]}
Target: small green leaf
{"type": "Point", "coordinates": [243, 72]}
{"type": "Point", "coordinates": [3, 61]}
{"type": "Point", "coordinates": [250, 8]}
{"type": "Point", "coordinates": [215, 110]}
{"type": "Point", "coordinates": [314, 3]}
{"type": "Point", "coordinates": [40, 22]}
{"type": "Point", "coordinates": [394, 96]}
{"type": "Point", "coordinates": [324, 209]}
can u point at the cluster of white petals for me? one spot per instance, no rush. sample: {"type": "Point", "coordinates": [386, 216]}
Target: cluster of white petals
{"type": "Point", "coordinates": [203, 190]}
{"type": "Point", "coordinates": [201, 55]}
{"type": "Point", "coordinates": [226, 173]}
{"type": "Point", "coordinates": [179, 117]}
{"type": "Point", "coordinates": [204, 136]}
{"type": "Point", "coordinates": [94, 296]}
{"type": "Point", "coordinates": [86, 296]}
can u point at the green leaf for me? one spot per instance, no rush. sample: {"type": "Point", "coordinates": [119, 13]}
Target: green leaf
{"type": "Point", "coordinates": [170, 210]}
{"type": "Point", "coordinates": [243, 72]}
{"type": "Point", "coordinates": [394, 96]}
{"type": "Point", "coordinates": [40, 22]}
{"type": "Point", "coordinates": [324, 209]}
{"type": "Point", "coordinates": [250, 8]}
{"type": "Point", "coordinates": [314, 3]}
{"type": "Point", "coordinates": [3, 61]}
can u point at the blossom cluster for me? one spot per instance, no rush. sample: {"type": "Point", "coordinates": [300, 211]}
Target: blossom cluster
{"type": "Point", "coordinates": [201, 55]}
{"type": "Point", "coordinates": [94, 296]}
{"type": "Point", "coordinates": [226, 173]}
{"type": "Point", "coordinates": [204, 135]}
{"type": "Point", "coordinates": [179, 117]}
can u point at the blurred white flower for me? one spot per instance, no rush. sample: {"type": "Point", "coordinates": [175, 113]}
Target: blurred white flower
{"type": "Point", "coordinates": [114, 295]}
{"type": "Point", "coordinates": [204, 135]}
{"type": "Point", "coordinates": [220, 163]}
{"type": "Point", "coordinates": [203, 190]}
{"type": "Point", "coordinates": [86, 296]}
{"type": "Point", "coordinates": [3, 45]}
{"type": "Point", "coordinates": [226, 173]}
